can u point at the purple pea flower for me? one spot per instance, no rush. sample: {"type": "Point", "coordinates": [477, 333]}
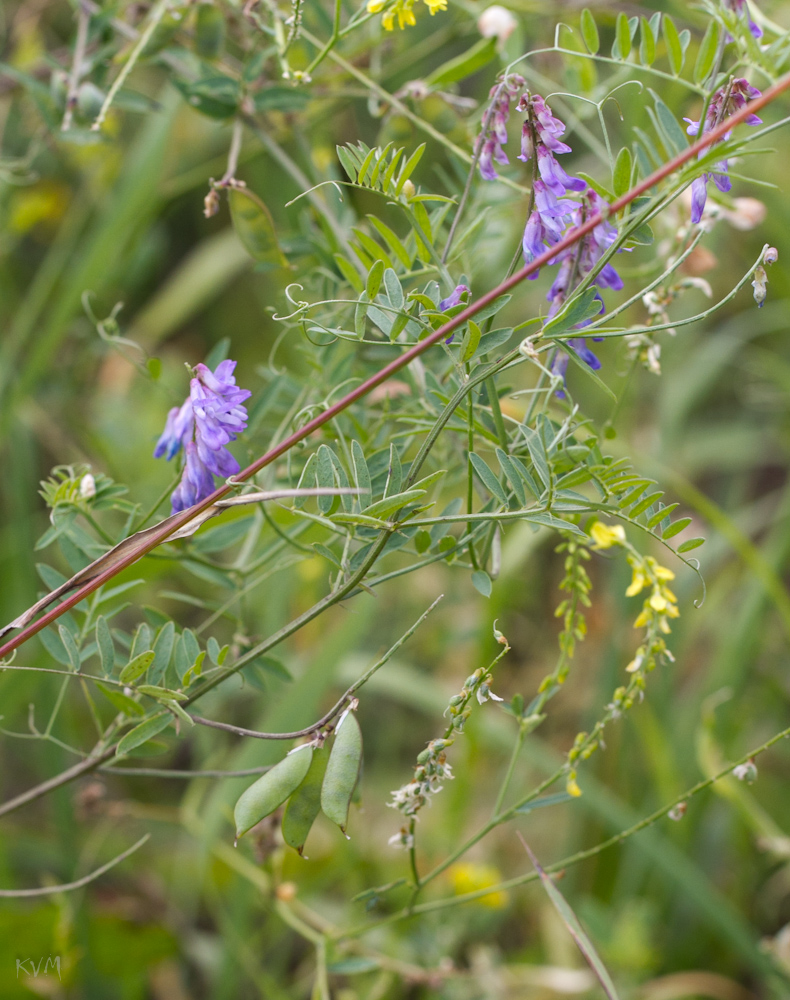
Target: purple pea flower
{"type": "Point", "coordinates": [215, 414]}
{"type": "Point", "coordinates": [178, 430]}
{"type": "Point", "coordinates": [453, 299]}
{"type": "Point", "coordinates": [725, 101]}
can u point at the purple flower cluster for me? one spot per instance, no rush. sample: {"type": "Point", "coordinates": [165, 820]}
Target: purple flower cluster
{"type": "Point", "coordinates": [210, 418]}
{"type": "Point", "coordinates": [724, 102]}
{"type": "Point", "coordinates": [494, 135]}
{"type": "Point", "coordinates": [740, 8]}
{"type": "Point", "coordinates": [560, 203]}
{"type": "Point", "coordinates": [540, 137]}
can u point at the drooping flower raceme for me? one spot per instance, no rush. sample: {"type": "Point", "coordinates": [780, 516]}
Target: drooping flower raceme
{"type": "Point", "coordinates": [540, 138]}
{"type": "Point", "coordinates": [724, 102]}
{"type": "Point", "coordinates": [495, 134]}
{"type": "Point", "coordinates": [209, 419]}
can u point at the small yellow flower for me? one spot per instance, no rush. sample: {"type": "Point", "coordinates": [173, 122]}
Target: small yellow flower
{"type": "Point", "coordinates": [657, 601]}
{"type": "Point", "coordinates": [638, 582]}
{"type": "Point", "coordinates": [436, 5]}
{"type": "Point", "coordinates": [469, 877]}
{"type": "Point", "coordinates": [634, 665]}
{"type": "Point", "coordinates": [388, 20]}
{"type": "Point", "coordinates": [571, 785]}
{"type": "Point", "coordinates": [406, 17]}
{"type": "Point", "coordinates": [662, 573]}
{"type": "Point", "coordinates": [643, 619]}
{"type": "Point", "coordinates": [605, 535]}
{"type": "Point", "coordinates": [374, 6]}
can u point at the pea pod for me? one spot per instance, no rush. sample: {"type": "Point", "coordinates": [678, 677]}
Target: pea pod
{"type": "Point", "coordinates": [271, 790]}
{"type": "Point", "coordinates": [342, 771]}
{"type": "Point", "coordinates": [254, 227]}
{"type": "Point", "coordinates": [305, 803]}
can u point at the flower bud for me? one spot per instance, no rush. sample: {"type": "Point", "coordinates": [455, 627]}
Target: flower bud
{"type": "Point", "coordinates": [746, 772]}
{"type": "Point", "coordinates": [759, 283]}
{"type": "Point", "coordinates": [771, 256]}
{"type": "Point", "coordinates": [408, 190]}
{"type": "Point", "coordinates": [496, 22]}
{"type": "Point", "coordinates": [87, 487]}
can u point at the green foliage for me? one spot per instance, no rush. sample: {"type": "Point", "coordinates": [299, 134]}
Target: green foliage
{"type": "Point", "coordinates": [346, 153]}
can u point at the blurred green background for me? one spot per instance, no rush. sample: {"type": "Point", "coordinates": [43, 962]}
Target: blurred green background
{"type": "Point", "coordinates": [684, 909]}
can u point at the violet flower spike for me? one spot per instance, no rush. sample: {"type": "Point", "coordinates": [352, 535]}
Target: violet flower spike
{"type": "Point", "coordinates": [214, 414]}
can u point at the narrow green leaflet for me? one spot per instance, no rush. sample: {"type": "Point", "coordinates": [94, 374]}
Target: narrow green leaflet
{"type": "Point", "coordinates": [589, 31]}
{"type": "Point", "coordinates": [361, 474]}
{"type": "Point", "coordinates": [576, 930]}
{"type": "Point", "coordinates": [305, 803]}
{"type": "Point", "coordinates": [123, 703]}
{"type": "Point", "coordinates": [621, 175]}
{"type": "Point", "coordinates": [137, 667]}
{"type": "Point", "coordinates": [272, 789]}
{"type": "Point", "coordinates": [481, 581]}
{"type": "Point", "coordinates": [342, 770]}
{"type": "Point", "coordinates": [674, 48]}
{"type": "Point", "coordinates": [487, 478]}
{"type": "Point", "coordinates": [390, 504]}
{"type": "Point", "coordinates": [105, 646]}
{"type": "Point", "coordinates": [163, 650]}
{"type": "Point", "coordinates": [583, 307]}
{"type": "Point", "coordinates": [707, 53]}
{"type": "Point", "coordinates": [647, 44]}
{"type": "Point", "coordinates": [71, 647]}
{"type": "Point", "coordinates": [142, 733]}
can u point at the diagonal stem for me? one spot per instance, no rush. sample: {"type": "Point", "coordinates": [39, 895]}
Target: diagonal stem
{"type": "Point", "coordinates": [173, 524]}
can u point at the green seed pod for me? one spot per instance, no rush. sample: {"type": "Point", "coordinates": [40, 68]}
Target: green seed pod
{"type": "Point", "coordinates": [305, 803]}
{"type": "Point", "coordinates": [209, 31]}
{"type": "Point", "coordinates": [254, 227]}
{"type": "Point", "coordinates": [342, 771]}
{"type": "Point", "coordinates": [271, 790]}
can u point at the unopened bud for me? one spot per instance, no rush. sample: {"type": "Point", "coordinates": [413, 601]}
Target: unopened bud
{"type": "Point", "coordinates": [87, 487]}
{"type": "Point", "coordinates": [759, 283]}
{"type": "Point", "coordinates": [746, 772]}
{"type": "Point", "coordinates": [678, 812]}
{"type": "Point", "coordinates": [408, 190]}
{"type": "Point", "coordinates": [771, 256]}
{"type": "Point", "coordinates": [496, 22]}
{"type": "Point", "coordinates": [211, 203]}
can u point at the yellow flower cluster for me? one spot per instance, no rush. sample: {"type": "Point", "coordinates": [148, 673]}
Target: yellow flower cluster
{"type": "Point", "coordinates": [662, 603]}
{"type": "Point", "coordinates": [403, 10]}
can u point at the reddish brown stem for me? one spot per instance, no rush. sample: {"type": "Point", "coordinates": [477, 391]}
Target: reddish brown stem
{"type": "Point", "coordinates": [715, 135]}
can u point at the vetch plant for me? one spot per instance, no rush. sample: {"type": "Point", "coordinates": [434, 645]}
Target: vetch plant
{"type": "Point", "coordinates": [400, 426]}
